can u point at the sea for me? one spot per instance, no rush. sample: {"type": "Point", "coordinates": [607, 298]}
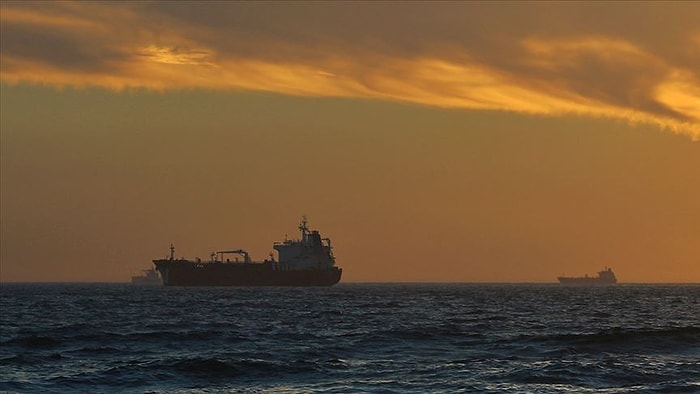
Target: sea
{"type": "Point", "coordinates": [350, 338]}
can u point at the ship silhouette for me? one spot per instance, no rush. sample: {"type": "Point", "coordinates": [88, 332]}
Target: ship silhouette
{"type": "Point", "coordinates": [150, 277]}
{"type": "Point", "coordinates": [605, 277]}
{"type": "Point", "coordinates": [308, 261]}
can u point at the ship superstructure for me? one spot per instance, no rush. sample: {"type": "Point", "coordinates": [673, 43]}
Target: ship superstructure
{"type": "Point", "coordinates": [308, 261]}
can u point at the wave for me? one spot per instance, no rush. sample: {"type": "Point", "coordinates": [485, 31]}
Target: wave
{"type": "Point", "coordinates": [619, 338]}
{"type": "Point", "coordinates": [362, 339]}
{"type": "Point", "coordinates": [49, 341]}
{"type": "Point", "coordinates": [32, 341]}
{"type": "Point", "coordinates": [220, 368]}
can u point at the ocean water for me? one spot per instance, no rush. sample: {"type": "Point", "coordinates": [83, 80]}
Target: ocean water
{"type": "Point", "coordinates": [350, 338]}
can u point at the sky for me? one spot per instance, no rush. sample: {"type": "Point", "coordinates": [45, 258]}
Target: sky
{"type": "Point", "coordinates": [431, 141]}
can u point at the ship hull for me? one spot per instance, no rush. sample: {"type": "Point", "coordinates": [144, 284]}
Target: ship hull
{"type": "Point", "coordinates": [585, 281]}
{"type": "Point", "coordinates": [188, 273]}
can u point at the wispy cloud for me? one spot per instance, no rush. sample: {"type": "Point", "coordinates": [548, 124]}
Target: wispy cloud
{"type": "Point", "coordinates": [636, 61]}
{"type": "Point", "coordinates": [175, 55]}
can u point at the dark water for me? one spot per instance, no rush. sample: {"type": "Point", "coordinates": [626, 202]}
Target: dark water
{"type": "Point", "coordinates": [388, 338]}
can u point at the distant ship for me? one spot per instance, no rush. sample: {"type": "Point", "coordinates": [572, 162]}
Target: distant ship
{"type": "Point", "coordinates": [605, 277]}
{"type": "Point", "coordinates": [151, 277]}
{"type": "Point", "coordinates": [308, 261]}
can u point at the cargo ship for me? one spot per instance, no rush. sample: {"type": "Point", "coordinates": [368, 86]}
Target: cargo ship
{"type": "Point", "coordinates": [605, 277]}
{"type": "Point", "coordinates": [308, 261]}
{"type": "Point", "coordinates": [150, 277]}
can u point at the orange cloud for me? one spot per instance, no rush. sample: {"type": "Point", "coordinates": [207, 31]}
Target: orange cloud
{"type": "Point", "coordinates": [120, 46]}
{"type": "Point", "coordinates": [175, 55]}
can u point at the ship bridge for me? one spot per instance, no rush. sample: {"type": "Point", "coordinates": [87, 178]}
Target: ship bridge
{"type": "Point", "coordinates": [308, 252]}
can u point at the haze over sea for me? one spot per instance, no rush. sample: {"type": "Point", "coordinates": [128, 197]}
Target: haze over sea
{"type": "Point", "coordinates": [389, 338]}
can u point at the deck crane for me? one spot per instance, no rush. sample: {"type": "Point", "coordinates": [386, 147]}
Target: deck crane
{"type": "Point", "coordinates": [246, 257]}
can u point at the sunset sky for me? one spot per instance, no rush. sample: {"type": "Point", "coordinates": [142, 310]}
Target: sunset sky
{"type": "Point", "coordinates": [431, 141]}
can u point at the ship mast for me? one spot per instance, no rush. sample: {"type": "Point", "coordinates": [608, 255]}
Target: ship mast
{"type": "Point", "coordinates": [303, 228]}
